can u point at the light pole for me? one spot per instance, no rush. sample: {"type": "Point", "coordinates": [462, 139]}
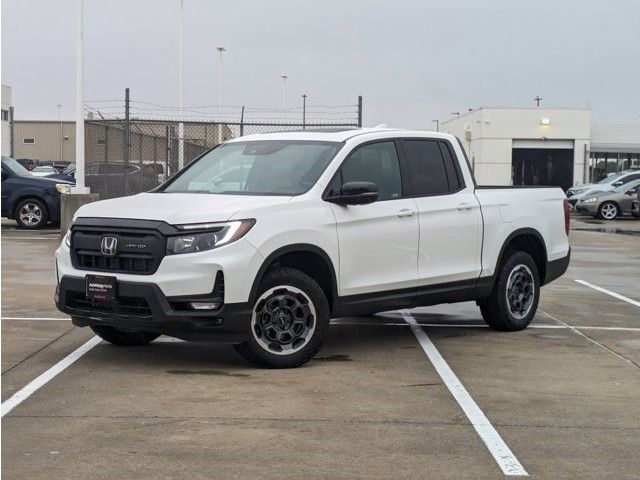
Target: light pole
{"type": "Point", "coordinates": [304, 111]}
{"type": "Point", "coordinates": [284, 90]}
{"type": "Point", "coordinates": [221, 50]}
{"type": "Point", "coordinates": [180, 85]}
{"type": "Point", "coordinates": [437, 122]}
{"type": "Point", "coordinates": [80, 187]}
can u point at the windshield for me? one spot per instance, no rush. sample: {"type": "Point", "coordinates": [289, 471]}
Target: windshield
{"type": "Point", "coordinates": [69, 169]}
{"type": "Point", "coordinates": [611, 178]}
{"type": "Point", "coordinates": [626, 186]}
{"type": "Point", "coordinates": [269, 167]}
{"type": "Point", "coordinates": [15, 168]}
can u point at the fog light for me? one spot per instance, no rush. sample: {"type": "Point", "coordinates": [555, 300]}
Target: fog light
{"type": "Point", "coordinates": [205, 305]}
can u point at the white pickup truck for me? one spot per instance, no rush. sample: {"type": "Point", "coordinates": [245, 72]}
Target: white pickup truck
{"type": "Point", "coordinates": [262, 240]}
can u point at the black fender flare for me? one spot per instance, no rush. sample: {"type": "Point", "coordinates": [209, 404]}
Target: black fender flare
{"type": "Point", "coordinates": [517, 233]}
{"type": "Point", "coordinates": [296, 247]}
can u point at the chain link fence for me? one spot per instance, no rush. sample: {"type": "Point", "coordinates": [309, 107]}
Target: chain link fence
{"type": "Point", "coordinates": [134, 147]}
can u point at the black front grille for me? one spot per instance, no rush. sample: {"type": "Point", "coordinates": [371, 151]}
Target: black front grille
{"type": "Point", "coordinates": [127, 306]}
{"type": "Point", "coordinates": [138, 251]}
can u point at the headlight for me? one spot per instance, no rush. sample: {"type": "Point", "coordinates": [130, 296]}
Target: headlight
{"type": "Point", "coordinates": [67, 238]}
{"type": "Point", "coordinates": [63, 187]}
{"type": "Point", "coordinates": [206, 236]}
{"type": "Point", "coordinates": [590, 200]}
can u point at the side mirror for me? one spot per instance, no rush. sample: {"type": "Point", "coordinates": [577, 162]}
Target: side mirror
{"type": "Point", "coordinates": [5, 175]}
{"type": "Point", "coordinates": [356, 193]}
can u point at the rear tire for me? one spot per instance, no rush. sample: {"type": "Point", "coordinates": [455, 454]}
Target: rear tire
{"type": "Point", "coordinates": [635, 210]}
{"type": "Point", "coordinates": [123, 338]}
{"type": "Point", "coordinates": [513, 301]}
{"type": "Point", "coordinates": [31, 214]}
{"type": "Point", "coordinates": [289, 320]}
{"type": "Point", "coordinates": [608, 211]}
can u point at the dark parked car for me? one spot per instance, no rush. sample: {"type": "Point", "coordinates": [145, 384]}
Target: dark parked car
{"type": "Point", "coordinates": [67, 174]}
{"type": "Point", "coordinates": [31, 201]}
{"type": "Point", "coordinates": [28, 163]}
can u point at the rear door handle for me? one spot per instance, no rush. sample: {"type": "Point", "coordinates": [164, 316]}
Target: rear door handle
{"type": "Point", "coordinates": [406, 212]}
{"type": "Point", "coordinates": [465, 206]}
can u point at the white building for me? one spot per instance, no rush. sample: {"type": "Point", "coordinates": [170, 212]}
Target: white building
{"type": "Point", "coordinates": [6, 114]}
{"type": "Point", "coordinates": [525, 146]}
{"type": "Point", "coordinates": [543, 146]}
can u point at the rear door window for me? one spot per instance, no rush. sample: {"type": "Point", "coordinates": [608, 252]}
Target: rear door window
{"type": "Point", "coordinates": [425, 167]}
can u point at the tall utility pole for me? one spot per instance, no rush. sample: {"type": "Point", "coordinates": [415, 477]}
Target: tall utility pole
{"type": "Point", "coordinates": [180, 86]}
{"type": "Point", "coordinates": [221, 50]}
{"type": "Point", "coordinates": [284, 90]}
{"type": "Point", "coordinates": [304, 111]}
{"type": "Point", "coordinates": [80, 186]}
{"type": "Point", "coordinates": [437, 122]}
{"type": "Point", "coordinates": [537, 99]}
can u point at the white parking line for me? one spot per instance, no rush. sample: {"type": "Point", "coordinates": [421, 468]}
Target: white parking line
{"type": "Point", "coordinates": [33, 386]}
{"type": "Point", "coordinates": [36, 318]}
{"type": "Point", "coordinates": [52, 237]}
{"type": "Point", "coordinates": [339, 321]}
{"type": "Point", "coordinates": [501, 453]}
{"type": "Point", "coordinates": [609, 292]}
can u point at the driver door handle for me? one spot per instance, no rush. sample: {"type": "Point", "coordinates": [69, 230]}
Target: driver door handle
{"type": "Point", "coordinates": [406, 212]}
{"type": "Point", "coordinates": [465, 206]}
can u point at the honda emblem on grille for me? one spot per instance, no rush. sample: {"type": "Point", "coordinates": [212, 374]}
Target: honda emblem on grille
{"type": "Point", "coordinates": [109, 246]}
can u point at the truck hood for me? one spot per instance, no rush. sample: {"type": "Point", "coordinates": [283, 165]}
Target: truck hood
{"type": "Point", "coordinates": [177, 208]}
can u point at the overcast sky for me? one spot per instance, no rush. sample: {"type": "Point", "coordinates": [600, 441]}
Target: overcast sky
{"type": "Point", "coordinates": [413, 61]}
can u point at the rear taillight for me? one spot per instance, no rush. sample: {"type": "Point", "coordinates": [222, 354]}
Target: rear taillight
{"type": "Point", "coordinates": [567, 216]}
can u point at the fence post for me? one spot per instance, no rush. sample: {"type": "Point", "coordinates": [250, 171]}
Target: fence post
{"type": "Point", "coordinates": [167, 152]}
{"type": "Point", "coordinates": [11, 134]}
{"type": "Point", "coordinates": [304, 111]}
{"type": "Point", "coordinates": [360, 111]}
{"type": "Point", "coordinates": [127, 139]}
{"type": "Point", "coordinates": [242, 121]}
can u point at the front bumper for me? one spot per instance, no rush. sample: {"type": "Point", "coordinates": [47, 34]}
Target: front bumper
{"type": "Point", "coordinates": [143, 306]}
{"type": "Point", "coordinates": [590, 208]}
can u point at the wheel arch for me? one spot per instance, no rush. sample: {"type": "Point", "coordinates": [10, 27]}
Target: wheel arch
{"type": "Point", "coordinates": [307, 258]}
{"type": "Point", "coordinates": [528, 240]}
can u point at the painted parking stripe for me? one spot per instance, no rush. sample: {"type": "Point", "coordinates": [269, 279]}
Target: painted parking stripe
{"type": "Point", "coordinates": [34, 385]}
{"type": "Point", "coordinates": [403, 324]}
{"type": "Point", "coordinates": [501, 453]}
{"type": "Point", "coordinates": [609, 292]}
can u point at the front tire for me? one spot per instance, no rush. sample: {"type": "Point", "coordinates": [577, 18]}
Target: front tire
{"type": "Point", "coordinates": [514, 299]}
{"type": "Point", "coordinates": [608, 211]}
{"type": "Point", "coordinates": [289, 320]}
{"type": "Point", "coordinates": [31, 214]}
{"type": "Point", "coordinates": [123, 338]}
{"type": "Point", "coordinates": [635, 210]}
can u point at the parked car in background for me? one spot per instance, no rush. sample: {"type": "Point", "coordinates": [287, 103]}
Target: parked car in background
{"type": "Point", "coordinates": [27, 163]}
{"type": "Point", "coordinates": [607, 184]}
{"type": "Point", "coordinates": [67, 174]}
{"type": "Point", "coordinates": [117, 179]}
{"type": "Point", "coordinates": [31, 201]}
{"type": "Point", "coordinates": [44, 171]}
{"type": "Point", "coordinates": [609, 205]}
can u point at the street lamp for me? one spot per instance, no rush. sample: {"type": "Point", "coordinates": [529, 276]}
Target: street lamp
{"type": "Point", "coordinates": [180, 85]}
{"type": "Point", "coordinates": [221, 50]}
{"type": "Point", "coordinates": [284, 90]}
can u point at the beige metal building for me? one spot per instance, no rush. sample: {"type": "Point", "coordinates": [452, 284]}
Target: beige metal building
{"type": "Point", "coordinates": [53, 140]}
{"type": "Point", "coordinates": [45, 140]}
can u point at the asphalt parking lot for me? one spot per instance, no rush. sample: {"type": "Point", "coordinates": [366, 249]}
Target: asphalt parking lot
{"type": "Point", "coordinates": [563, 395]}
